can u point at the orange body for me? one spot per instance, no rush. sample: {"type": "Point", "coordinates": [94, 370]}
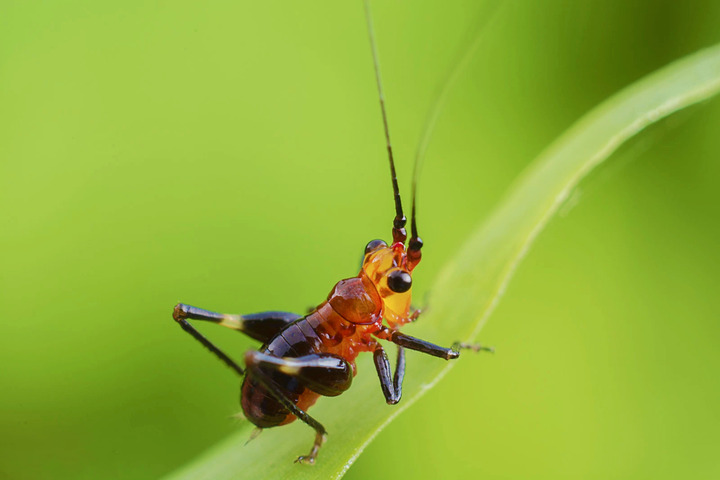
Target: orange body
{"type": "Point", "coordinates": [347, 323]}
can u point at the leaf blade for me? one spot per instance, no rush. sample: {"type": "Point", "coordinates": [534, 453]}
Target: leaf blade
{"type": "Point", "coordinates": [478, 276]}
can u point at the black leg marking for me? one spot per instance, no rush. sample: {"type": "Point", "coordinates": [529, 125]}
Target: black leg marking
{"type": "Point", "coordinates": [276, 392]}
{"type": "Point", "coordinates": [416, 344]}
{"type": "Point", "coordinates": [392, 388]}
{"type": "Point", "coordinates": [260, 326]}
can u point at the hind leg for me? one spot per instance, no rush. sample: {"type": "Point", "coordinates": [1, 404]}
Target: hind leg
{"type": "Point", "coordinates": [260, 326]}
{"type": "Point", "coordinates": [185, 325]}
{"type": "Point", "coordinates": [323, 373]}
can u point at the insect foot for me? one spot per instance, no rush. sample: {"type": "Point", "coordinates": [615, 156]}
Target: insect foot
{"type": "Point", "coordinates": [305, 460]}
{"type": "Point", "coordinates": [310, 458]}
{"type": "Point", "coordinates": [475, 347]}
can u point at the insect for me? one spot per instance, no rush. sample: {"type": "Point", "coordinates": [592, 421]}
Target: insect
{"type": "Point", "coordinates": [303, 357]}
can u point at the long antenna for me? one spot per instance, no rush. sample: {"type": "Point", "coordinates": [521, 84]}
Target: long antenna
{"type": "Point", "coordinates": [399, 234]}
{"type": "Point", "coordinates": [441, 95]}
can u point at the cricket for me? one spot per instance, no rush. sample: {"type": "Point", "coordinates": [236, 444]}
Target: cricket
{"type": "Point", "coordinates": [304, 357]}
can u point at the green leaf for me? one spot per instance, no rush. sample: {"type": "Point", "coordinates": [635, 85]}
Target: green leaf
{"type": "Point", "coordinates": [470, 286]}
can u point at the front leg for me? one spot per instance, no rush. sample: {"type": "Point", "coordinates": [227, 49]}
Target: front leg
{"type": "Point", "coordinates": [423, 346]}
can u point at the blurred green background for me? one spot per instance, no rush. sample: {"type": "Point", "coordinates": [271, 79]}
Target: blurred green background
{"type": "Point", "coordinates": [230, 155]}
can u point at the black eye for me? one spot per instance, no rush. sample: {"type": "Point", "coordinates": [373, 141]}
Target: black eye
{"type": "Point", "coordinates": [399, 281]}
{"type": "Point", "coordinates": [374, 245]}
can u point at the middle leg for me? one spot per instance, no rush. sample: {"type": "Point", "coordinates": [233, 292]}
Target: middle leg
{"type": "Point", "coordinates": [391, 387]}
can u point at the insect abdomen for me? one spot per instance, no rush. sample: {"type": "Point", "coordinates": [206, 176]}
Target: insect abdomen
{"type": "Point", "coordinates": [260, 407]}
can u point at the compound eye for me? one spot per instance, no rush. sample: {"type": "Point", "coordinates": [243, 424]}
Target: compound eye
{"type": "Point", "coordinates": [399, 281]}
{"type": "Point", "coordinates": [374, 245]}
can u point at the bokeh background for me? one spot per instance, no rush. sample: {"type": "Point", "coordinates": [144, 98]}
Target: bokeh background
{"type": "Point", "coordinates": [230, 155]}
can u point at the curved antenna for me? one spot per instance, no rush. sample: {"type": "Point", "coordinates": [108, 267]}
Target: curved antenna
{"type": "Point", "coordinates": [398, 232]}
{"type": "Point", "coordinates": [415, 243]}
